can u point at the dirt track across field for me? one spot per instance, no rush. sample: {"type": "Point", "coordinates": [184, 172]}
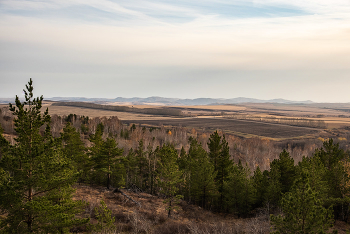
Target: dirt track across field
{"type": "Point", "coordinates": [232, 126]}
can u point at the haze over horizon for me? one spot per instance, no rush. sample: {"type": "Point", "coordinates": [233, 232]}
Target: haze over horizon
{"type": "Point", "coordinates": [259, 49]}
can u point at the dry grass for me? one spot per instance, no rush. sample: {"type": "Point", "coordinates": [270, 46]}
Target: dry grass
{"type": "Point", "coordinates": [66, 110]}
{"type": "Point", "coordinates": [151, 217]}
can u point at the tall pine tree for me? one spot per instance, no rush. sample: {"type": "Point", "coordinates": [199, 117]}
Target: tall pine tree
{"type": "Point", "coordinates": [36, 192]}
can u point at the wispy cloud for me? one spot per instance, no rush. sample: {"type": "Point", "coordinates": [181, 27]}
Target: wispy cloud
{"type": "Point", "coordinates": [67, 36]}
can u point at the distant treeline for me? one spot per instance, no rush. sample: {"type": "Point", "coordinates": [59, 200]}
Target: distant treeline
{"type": "Point", "coordinates": [301, 122]}
{"type": "Point", "coordinates": [149, 111]}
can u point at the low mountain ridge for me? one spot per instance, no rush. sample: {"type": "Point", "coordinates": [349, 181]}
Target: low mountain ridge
{"type": "Point", "coordinates": [177, 101]}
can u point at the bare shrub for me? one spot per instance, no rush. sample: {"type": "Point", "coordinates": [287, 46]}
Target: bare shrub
{"type": "Point", "coordinates": [258, 226]}
{"type": "Point", "coordinates": [214, 228]}
{"type": "Point", "coordinates": [139, 223]}
{"type": "Point", "coordinates": [172, 227]}
{"type": "Point", "coordinates": [121, 216]}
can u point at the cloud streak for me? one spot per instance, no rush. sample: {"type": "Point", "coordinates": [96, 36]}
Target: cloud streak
{"type": "Point", "coordinates": [162, 38]}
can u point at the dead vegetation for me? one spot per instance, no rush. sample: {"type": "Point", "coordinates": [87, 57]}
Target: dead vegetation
{"type": "Point", "coordinates": [151, 216]}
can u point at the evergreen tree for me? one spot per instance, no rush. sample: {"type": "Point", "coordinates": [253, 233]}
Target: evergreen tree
{"type": "Point", "coordinates": [107, 159]}
{"type": "Point", "coordinates": [201, 183]}
{"type": "Point", "coordinates": [239, 191]}
{"type": "Point", "coordinates": [105, 221]}
{"type": "Point", "coordinates": [215, 146]}
{"type": "Point", "coordinates": [303, 212]}
{"type": "Point", "coordinates": [152, 167]}
{"type": "Point", "coordinates": [273, 188]}
{"type": "Point", "coordinates": [94, 153]}
{"type": "Point", "coordinates": [219, 154]}
{"type": "Point", "coordinates": [315, 171]}
{"type": "Point", "coordinates": [287, 171]}
{"type": "Point", "coordinates": [336, 177]}
{"type": "Point", "coordinates": [35, 191]}
{"type": "Point", "coordinates": [74, 149]}
{"type": "Point", "coordinates": [169, 175]}
{"type": "Point", "coordinates": [130, 165]}
{"type": "Point", "coordinates": [224, 165]}
{"type": "Point", "coordinates": [142, 165]}
{"type": "Point", "coordinates": [260, 185]}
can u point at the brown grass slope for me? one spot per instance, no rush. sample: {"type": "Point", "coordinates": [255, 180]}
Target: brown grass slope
{"type": "Point", "coordinates": [151, 215]}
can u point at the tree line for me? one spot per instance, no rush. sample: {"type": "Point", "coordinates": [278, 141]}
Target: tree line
{"type": "Point", "coordinates": [301, 122]}
{"type": "Point", "coordinates": [38, 171]}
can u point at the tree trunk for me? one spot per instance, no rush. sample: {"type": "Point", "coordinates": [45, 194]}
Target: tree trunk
{"type": "Point", "coordinates": [169, 208]}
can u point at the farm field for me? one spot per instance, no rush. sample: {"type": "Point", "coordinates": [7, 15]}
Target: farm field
{"type": "Point", "coordinates": [212, 117]}
{"type": "Point", "coordinates": [238, 127]}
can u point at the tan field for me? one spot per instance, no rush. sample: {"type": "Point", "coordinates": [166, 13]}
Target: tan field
{"type": "Point", "coordinates": [268, 118]}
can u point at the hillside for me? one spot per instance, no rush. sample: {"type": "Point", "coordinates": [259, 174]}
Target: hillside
{"type": "Point", "coordinates": [151, 215]}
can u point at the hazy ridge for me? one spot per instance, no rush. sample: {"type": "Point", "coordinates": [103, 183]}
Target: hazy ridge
{"type": "Point", "coordinates": [176, 101]}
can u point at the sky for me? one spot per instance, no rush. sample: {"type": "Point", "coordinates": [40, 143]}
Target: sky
{"type": "Point", "coordinates": [297, 50]}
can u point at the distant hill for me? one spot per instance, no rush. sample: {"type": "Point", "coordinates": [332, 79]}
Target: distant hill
{"type": "Point", "coordinates": [176, 101]}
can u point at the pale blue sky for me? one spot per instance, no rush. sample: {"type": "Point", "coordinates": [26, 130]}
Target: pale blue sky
{"type": "Point", "coordinates": [265, 49]}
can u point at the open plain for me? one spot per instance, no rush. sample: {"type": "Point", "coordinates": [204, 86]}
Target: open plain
{"type": "Point", "coordinates": [265, 120]}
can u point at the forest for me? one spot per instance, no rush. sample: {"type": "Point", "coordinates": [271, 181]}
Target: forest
{"type": "Point", "coordinates": [304, 189]}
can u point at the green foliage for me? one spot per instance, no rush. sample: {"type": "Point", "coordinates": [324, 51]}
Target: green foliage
{"type": "Point", "coordinates": [132, 128]}
{"type": "Point", "coordinates": [219, 154]}
{"type": "Point", "coordinates": [335, 177]}
{"type": "Point", "coordinates": [169, 175]}
{"type": "Point", "coordinates": [74, 149]}
{"type": "Point", "coordinates": [239, 191]}
{"type": "Point", "coordinates": [271, 185]}
{"type": "Point", "coordinates": [287, 171]}
{"type": "Point", "coordinates": [260, 183]}
{"type": "Point", "coordinates": [105, 157]}
{"type": "Point", "coordinates": [142, 166]}
{"type": "Point", "coordinates": [201, 175]}
{"type": "Point", "coordinates": [105, 221]}
{"type": "Point", "coordinates": [71, 118]}
{"type": "Point", "coordinates": [314, 169]}
{"type": "Point", "coordinates": [36, 175]}
{"type": "Point", "coordinates": [129, 163]}
{"type": "Point", "coordinates": [214, 146]}
{"type": "Point", "coordinates": [224, 165]}
{"type": "Point", "coordinates": [303, 211]}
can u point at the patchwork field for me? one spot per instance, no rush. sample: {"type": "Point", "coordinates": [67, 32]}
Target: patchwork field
{"type": "Point", "coordinates": [270, 120]}
{"type": "Point", "coordinates": [238, 127]}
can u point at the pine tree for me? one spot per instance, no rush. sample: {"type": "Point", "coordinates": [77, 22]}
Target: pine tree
{"type": "Point", "coordinates": [239, 190]}
{"type": "Point", "coordinates": [107, 159]}
{"type": "Point", "coordinates": [214, 146]}
{"type": "Point", "coordinates": [152, 167]}
{"type": "Point", "coordinates": [142, 165]}
{"type": "Point", "coordinates": [260, 185]}
{"type": "Point", "coordinates": [131, 168]}
{"type": "Point", "coordinates": [303, 211]}
{"type": "Point", "coordinates": [224, 165]}
{"type": "Point", "coordinates": [287, 171]}
{"type": "Point", "coordinates": [36, 189]}
{"type": "Point", "coordinates": [201, 182]}
{"type": "Point", "coordinates": [169, 175]}
{"type": "Point", "coordinates": [336, 177]}
{"type": "Point", "coordinates": [219, 154]}
{"type": "Point", "coordinates": [74, 149]}
{"type": "Point", "coordinates": [105, 221]}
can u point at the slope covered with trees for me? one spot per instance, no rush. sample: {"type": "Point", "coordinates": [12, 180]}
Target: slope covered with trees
{"type": "Point", "coordinates": [38, 171]}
